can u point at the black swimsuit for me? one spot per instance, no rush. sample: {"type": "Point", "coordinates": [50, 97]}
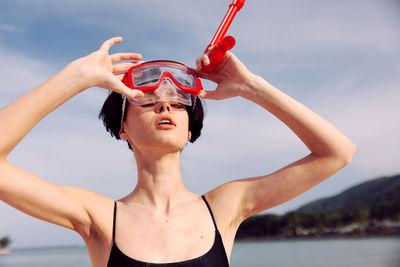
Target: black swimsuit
{"type": "Point", "coordinates": [215, 257]}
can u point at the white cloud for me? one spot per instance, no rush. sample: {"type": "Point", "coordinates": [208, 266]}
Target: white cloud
{"type": "Point", "coordinates": [8, 28]}
{"type": "Point", "coordinates": [20, 72]}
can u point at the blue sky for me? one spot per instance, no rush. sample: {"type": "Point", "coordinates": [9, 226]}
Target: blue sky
{"type": "Point", "coordinates": [340, 58]}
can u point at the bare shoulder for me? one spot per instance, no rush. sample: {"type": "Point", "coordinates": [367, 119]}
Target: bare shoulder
{"type": "Point", "coordinates": [227, 212]}
{"type": "Point", "coordinates": [226, 205]}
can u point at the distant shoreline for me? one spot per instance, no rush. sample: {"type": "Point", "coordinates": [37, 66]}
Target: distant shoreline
{"type": "Point", "coordinates": [313, 238]}
{"type": "Point", "coordinates": [49, 247]}
{"type": "Point", "coordinates": [320, 237]}
{"type": "Point", "coordinates": [244, 240]}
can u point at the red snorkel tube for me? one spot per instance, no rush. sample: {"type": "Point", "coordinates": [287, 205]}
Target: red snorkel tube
{"type": "Point", "coordinates": [221, 43]}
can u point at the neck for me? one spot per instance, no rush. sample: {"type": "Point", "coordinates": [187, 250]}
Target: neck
{"type": "Point", "coordinates": [159, 180]}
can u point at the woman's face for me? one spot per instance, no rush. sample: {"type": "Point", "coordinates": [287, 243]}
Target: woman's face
{"type": "Point", "coordinates": [161, 126]}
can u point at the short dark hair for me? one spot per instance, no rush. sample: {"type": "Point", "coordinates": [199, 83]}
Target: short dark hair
{"type": "Point", "coordinates": [111, 113]}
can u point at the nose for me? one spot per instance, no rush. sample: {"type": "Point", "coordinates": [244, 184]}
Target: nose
{"type": "Point", "coordinates": [163, 107]}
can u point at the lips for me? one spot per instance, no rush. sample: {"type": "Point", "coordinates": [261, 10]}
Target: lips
{"type": "Point", "coordinates": [165, 123]}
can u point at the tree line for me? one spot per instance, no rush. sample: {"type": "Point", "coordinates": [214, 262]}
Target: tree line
{"type": "Point", "coordinates": [344, 222]}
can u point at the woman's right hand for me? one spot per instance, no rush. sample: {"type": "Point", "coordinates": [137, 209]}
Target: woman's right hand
{"type": "Point", "coordinates": [77, 209]}
{"type": "Point", "coordinates": [99, 69]}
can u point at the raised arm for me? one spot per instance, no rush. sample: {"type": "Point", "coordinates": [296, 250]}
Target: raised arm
{"type": "Point", "coordinates": [62, 205]}
{"type": "Point", "coordinates": [329, 149]}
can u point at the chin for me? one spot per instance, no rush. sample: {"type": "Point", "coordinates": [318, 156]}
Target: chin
{"type": "Point", "coordinates": [167, 144]}
{"type": "Point", "coordinates": [171, 145]}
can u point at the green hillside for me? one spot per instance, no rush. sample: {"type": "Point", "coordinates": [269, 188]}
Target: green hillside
{"type": "Point", "coordinates": [369, 195]}
{"type": "Point", "coordinates": [370, 208]}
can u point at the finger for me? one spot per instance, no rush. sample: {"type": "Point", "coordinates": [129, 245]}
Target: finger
{"type": "Point", "coordinates": [198, 63]}
{"type": "Point", "coordinates": [125, 56]}
{"type": "Point", "coordinates": [210, 95]}
{"type": "Point", "coordinates": [205, 60]}
{"type": "Point", "coordinates": [113, 83]}
{"type": "Point", "coordinates": [201, 61]}
{"type": "Point", "coordinates": [117, 86]}
{"type": "Point", "coordinates": [122, 67]}
{"type": "Point", "coordinates": [208, 75]}
{"type": "Point", "coordinates": [120, 76]}
{"type": "Point", "coordinates": [133, 93]}
{"type": "Point", "coordinates": [110, 42]}
{"type": "Point", "coordinates": [202, 94]}
{"type": "Point", "coordinates": [203, 74]}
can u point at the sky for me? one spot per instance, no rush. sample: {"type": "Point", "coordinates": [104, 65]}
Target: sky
{"type": "Point", "coordinates": [339, 58]}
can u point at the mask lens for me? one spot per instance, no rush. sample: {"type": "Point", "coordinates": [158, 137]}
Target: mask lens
{"type": "Point", "coordinates": [167, 91]}
{"type": "Point", "coordinates": [146, 77]}
{"type": "Point", "coordinates": [183, 77]}
{"type": "Point", "coordinates": [150, 74]}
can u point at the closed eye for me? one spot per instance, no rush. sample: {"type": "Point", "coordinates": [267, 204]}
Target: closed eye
{"type": "Point", "coordinates": [147, 105]}
{"type": "Point", "coordinates": [178, 106]}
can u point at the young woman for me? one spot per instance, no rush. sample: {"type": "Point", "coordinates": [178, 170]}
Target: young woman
{"type": "Point", "coordinates": [161, 223]}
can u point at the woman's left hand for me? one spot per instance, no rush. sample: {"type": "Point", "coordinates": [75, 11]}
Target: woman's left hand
{"type": "Point", "coordinates": [231, 75]}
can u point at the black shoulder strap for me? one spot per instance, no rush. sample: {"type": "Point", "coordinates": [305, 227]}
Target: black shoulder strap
{"type": "Point", "coordinates": [115, 213]}
{"type": "Point", "coordinates": [209, 209]}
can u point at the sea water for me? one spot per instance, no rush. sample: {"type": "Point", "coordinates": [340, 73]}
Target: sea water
{"type": "Point", "coordinates": [363, 252]}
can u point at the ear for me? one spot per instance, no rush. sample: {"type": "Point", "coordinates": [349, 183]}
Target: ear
{"type": "Point", "coordinates": [122, 133]}
{"type": "Point", "coordinates": [189, 135]}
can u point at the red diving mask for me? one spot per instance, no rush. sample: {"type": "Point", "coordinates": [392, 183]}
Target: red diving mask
{"type": "Point", "coordinates": [163, 81]}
